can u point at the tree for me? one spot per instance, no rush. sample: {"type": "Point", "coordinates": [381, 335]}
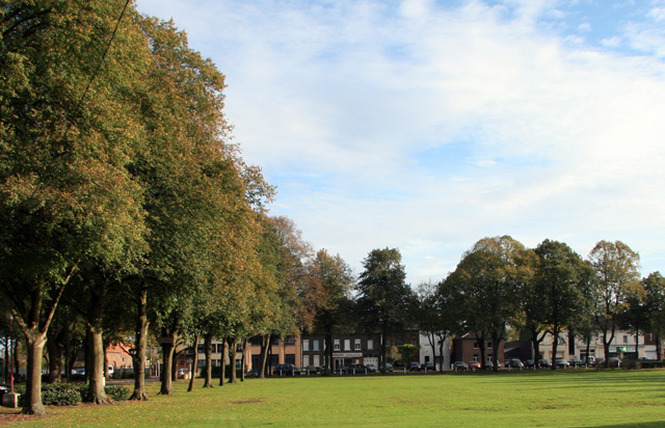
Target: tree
{"type": "Point", "coordinates": [616, 273]}
{"type": "Point", "coordinates": [433, 318]}
{"type": "Point", "coordinates": [384, 299]}
{"type": "Point", "coordinates": [654, 285]}
{"type": "Point", "coordinates": [560, 284]}
{"type": "Point", "coordinates": [67, 135]}
{"type": "Point", "coordinates": [330, 282]}
{"type": "Point", "coordinates": [485, 284]}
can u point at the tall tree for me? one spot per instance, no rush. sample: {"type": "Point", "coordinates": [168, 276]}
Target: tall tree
{"type": "Point", "coordinates": [67, 135]}
{"type": "Point", "coordinates": [385, 300]}
{"type": "Point", "coordinates": [560, 284]}
{"type": "Point", "coordinates": [654, 284]}
{"type": "Point", "coordinates": [487, 279]}
{"type": "Point", "coordinates": [616, 269]}
{"type": "Point", "coordinates": [432, 318]}
{"type": "Point", "coordinates": [330, 282]}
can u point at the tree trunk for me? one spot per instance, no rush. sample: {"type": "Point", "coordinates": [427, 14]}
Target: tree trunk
{"type": "Point", "coordinates": [442, 339]}
{"type": "Point", "coordinates": [233, 346]}
{"type": "Point", "coordinates": [555, 345]}
{"type": "Point", "coordinates": [222, 375]}
{"type": "Point", "coordinates": [96, 393]}
{"type": "Point", "coordinates": [32, 403]}
{"type": "Point", "coordinates": [54, 348]}
{"type": "Point", "coordinates": [207, 383]}
{"type": "Point", "coordinates": [328, 354]}
{"type": "Point", "coordinates": [637, 344]}
{"type": "Point", "coordinates": [139, 355]}
{"type": "Point", "coordinates": [265, 341]}
{"type": "Point", "coordinates": [195, 364]}
{"type": "Point", "coordinates": [168, 347]}
{"type": "Point", "coordinates": [242, 361]}
{"type": "Point", "coordinates": [382, 352]}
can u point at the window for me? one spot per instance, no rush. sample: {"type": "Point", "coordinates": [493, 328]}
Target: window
{"type": "Point", "coordinates": [356, 345]}
{"type": "Point", "coordinates": [489, 345]}
{"type": "Point", "coordinates": [370, 344]}
{"type": "Point", "coordinates": [475, 345]}
{"type": "Point", "coordinates": [347, 344]}
{"type": "Point", "coordinates": [316, 345]}
{"type": "Point", "coordinates": [625, 339]}
{"type": "Point", "coordinates": [290, 340]}
{"type": "Point", "coordinates": [336, 345]}
{"type": "Point", "coordinates": [305, 360]}
{"type": "Point", "coordinates": [305, 345]}
{"type": "Point", "coordinates": [289, 359]}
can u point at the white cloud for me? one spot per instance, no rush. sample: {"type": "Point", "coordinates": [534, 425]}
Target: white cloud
{"type": "Point", "coordinates": [350, 105]}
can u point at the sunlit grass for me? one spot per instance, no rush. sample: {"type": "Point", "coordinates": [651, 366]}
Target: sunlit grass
{"type": "Point", "coordinates": [512, 399]}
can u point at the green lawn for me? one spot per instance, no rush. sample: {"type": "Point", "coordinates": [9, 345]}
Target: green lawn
{"type": "Point", "coordinates": [613, 398]}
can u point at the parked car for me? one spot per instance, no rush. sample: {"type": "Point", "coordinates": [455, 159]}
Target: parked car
{"type": "Point", "coordinates": [460, 365]}
{"type": "Point", "coordinates": [357, 369]}
{"type": "Point", "coordinates": [561, 363]}
{"type": "Point", "coordinates": [544, 363]}
{"type": "Point", "coordinates": [529, 363]}
{"type": "Point", "coordinates": [428, 366]}
{"type": "Point", "coordinates": [182, 373]}
{"type": "Point", "coordinates": [4, 389]}
{"type": "Point", "coordinates": [614, 362]}
{"type": "Point", "coordinates": [489, 364]}
{"type": "Point", "coordinates": [285, 370]}
{"type": "Point", "coordinates": [312, 369]}
{"type": "Point", "coordinates": [371, 366]}
{"type": "Point", "coordinates": [389, 367]}
{"type": "Point", "coordinates": [474, 365]}
{"type": "Point", "coordinates": [575, 362]}
{"type": "Point", "coordinates": [515, 363]}
{"type": "Point", "coordinates": [414, 366]}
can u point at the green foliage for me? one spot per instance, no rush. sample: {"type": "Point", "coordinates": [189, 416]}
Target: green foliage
{"type": "Point", "coordinates": [407, 353]}
{"type": "Point", "coordinates": [117, 392]}
{"type": "Point", "coordinates": [57, 394]}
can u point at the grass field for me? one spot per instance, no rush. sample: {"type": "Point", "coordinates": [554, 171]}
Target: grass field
{"type": "Point", "coordinates": [613, 398]}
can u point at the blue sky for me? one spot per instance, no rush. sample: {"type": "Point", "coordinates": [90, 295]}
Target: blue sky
{"type": "Point", "coordinates": [427, 125]}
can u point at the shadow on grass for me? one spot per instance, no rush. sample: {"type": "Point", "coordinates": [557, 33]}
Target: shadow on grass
{"type": "Point", "coordinates": [656, 424]}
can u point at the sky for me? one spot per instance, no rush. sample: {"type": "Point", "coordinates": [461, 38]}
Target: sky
{"type": "Point", "coordinates": [428, 125]}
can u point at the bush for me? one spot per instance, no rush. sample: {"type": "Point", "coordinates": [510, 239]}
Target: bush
{"type": "Point", "coordinates": [61, 394]}
{"type": "Point", "coordinates": [117, 393]}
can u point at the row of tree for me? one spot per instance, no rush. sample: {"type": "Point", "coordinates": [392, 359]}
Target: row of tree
{"type": "Point", "coordinates": [500, 284]}
{"type": "Point", "coordinates": [124, 207]}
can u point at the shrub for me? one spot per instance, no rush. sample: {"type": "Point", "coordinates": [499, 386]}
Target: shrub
{"type": "Point", "coordinates": [61, 394]}
{"type": "Point", "coordinates": [117, 393]}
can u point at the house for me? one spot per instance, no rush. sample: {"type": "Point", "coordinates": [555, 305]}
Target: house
{"type": "Point", "coordinates": [352, 348]}
{"type": "Point", "coordinates": [466, 348]}
{"type": "Point", "coordinates": [426, 356]}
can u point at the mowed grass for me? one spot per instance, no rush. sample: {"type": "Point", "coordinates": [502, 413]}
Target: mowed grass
{"type": "Point", "coordinates": [613, 398]}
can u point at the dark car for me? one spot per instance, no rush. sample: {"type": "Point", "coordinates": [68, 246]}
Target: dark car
{"type": "Point", "coordinates": [544, 363]}
{"type": "Point", "coordinates": [575, 362]}
{"type": "Point", "coordinates": [561, 363]}
{"type": "Point", "coordinates": [529, 364]}
{"type": "Point", "coordinates": [312, 369]}
{"type": "Point", "coordinates": [285, 370]}
{"type": "Point", "coordinates": [357, 369]}
{"type": "Point", "coordinates": [474, 365]}
{"type": "Point", "coordinates": [515, 363]}
{"type": "Point", "coordinates": [4, 389]}
{"type": "Point", "coordinates": [414, 366]}
{"type": "Point", "coordinates": [460, 365]}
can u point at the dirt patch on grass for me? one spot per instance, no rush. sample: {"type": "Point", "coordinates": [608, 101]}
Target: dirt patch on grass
{"type": "Point", "coordinates": [246, 402]}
